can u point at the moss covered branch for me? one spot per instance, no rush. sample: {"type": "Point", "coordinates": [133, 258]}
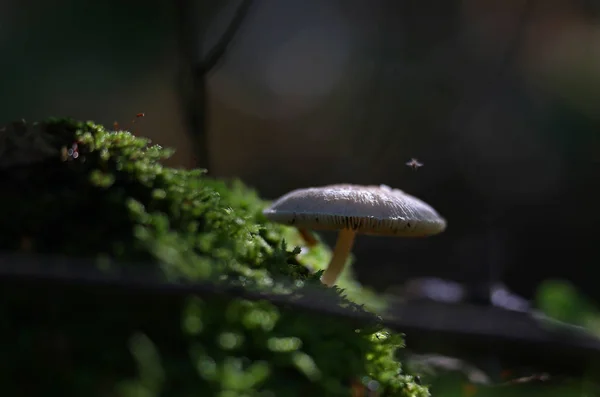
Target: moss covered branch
{"type": "Point", "coordinates": [77, 189]}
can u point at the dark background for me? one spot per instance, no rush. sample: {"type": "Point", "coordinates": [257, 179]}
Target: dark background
{"type": "Point", "coordinates": [499, 99]}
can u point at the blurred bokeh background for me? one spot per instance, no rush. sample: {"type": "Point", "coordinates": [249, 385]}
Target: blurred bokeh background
{"type": "Point", "coordinates": [498, 99]}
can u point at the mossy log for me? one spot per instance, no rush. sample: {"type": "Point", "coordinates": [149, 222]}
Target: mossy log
{"type": "Point", "coordinates": [79, 190]}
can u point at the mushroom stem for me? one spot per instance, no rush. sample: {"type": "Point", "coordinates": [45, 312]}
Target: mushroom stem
{"type": "Point", "coordinates": [342, 249]}
{"type": "Point", "coordinates": [307, 237]}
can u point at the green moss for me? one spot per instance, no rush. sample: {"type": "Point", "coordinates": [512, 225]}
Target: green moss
{"type": "Point", "coordinates": [77, 189]}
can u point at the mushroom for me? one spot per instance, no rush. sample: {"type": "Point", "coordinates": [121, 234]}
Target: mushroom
{"type": "Point", "coordinates": [352, 209]}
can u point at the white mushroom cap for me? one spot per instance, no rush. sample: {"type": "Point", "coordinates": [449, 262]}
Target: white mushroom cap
{"type": "Point", "coordinates": [374, 210]}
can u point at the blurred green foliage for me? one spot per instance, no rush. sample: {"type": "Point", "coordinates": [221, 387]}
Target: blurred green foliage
{"type": "Point", "coordinates": [561, 301]}
{"type": "Point", "coordinates": [77, 189]}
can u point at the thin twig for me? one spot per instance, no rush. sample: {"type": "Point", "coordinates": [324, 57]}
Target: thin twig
{"type": "Point", "coordinates": [216, 54]}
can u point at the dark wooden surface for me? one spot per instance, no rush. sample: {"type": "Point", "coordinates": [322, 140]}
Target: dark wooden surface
{"type": "Point", "coordinates": [513, 339]}
{"type": "Point", "coordinates": [519, 339]}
